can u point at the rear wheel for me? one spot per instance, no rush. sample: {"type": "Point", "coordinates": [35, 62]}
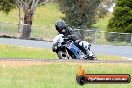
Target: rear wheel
{"type": "Point", "coordinates": [62, 55]}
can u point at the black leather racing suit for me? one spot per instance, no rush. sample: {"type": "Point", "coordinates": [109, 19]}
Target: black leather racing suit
{"type": "Point", "coordinates": [69, 32]}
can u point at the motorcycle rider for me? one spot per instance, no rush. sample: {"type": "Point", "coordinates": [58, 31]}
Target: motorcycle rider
{"type": "Point", "coordinates": [68, 32]}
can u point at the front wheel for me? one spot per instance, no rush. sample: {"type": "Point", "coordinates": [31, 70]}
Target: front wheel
{"type": "Point", "coordinates": [92, 58]}
{"type": "Point", "coordinates": [62, 55]}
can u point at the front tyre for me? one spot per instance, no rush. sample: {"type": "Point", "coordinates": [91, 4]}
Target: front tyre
{"type": "Point", "coordinates": [91, 55]}
{"type": "Point", "coordinates": [92, 58]}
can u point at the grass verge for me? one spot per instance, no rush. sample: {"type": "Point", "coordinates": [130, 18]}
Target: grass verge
{"type": "Point", "coordinates": [108, 57]}
{"type": "Point", "coordinates": [57, 75]}
{"type": "Point", "coordinates": [12, 51]}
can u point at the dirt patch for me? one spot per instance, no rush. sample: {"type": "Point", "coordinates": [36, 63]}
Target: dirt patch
{"type": "Point", "coordinates": [21, 63]}
{"type": "Point", "coordinates": [25, 63]}
{"type": "Point", "coordinates": [8, 63]}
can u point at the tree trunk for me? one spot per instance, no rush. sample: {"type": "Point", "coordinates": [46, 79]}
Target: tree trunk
{"type": "Point", "coordinates": [27, 25]}
{"type": "Point", "coordinates": [20, 27]}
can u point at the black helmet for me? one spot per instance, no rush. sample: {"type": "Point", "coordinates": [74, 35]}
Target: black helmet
{"type": "Point", "coordinates": [60, 25]}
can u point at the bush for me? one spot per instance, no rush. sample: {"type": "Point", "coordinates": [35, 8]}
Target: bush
{"type": "Point", "coordinates": [121, 22]}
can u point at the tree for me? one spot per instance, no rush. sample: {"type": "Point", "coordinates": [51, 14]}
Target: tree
{"type": "Point", "coordinates": [122, 19]}
{"type": "Point", "coordinates": [29, 8]}
{"type": "Point", "coordinates": [104, 6]}
{"type": "Point", "coordinates": [20, 25]}
{"type": "Point", "coordinates": [79, 12]}
{"type": "Point", "coordinates": [26, 12]}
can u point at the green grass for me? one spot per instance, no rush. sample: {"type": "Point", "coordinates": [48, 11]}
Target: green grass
{"type": "Point", "coordinates": [45, 15]}
{"type": "Point", "coordinates": [11, 28]}
{"type": "Point", "coordinates": [12, 51]}
{"type": "Point", "coordinates": [43, 32]}
{"type": "Point", "coordinates": [103, 22]}
{"type": "Point", "coordinates": [58, 75]}
{"type": "Point", "coordinates": [108, 57]}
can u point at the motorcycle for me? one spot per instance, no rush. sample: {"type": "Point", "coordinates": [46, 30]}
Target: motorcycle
{"type": "Point", "coordinates": [66, 49]}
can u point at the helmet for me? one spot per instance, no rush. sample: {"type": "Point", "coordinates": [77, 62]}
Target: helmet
{"type": "Point", "coordinates": [60, 25]}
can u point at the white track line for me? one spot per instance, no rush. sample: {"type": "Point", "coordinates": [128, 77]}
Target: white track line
{"type": "Point", "coordinates": [127, 58]}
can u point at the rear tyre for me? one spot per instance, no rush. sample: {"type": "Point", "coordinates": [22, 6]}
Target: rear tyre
{"type": "Point", "coordinates": [62, 55]}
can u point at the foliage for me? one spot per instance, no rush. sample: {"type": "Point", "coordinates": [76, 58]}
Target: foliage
{"type": "Point", "coordinates": [102, 23]}
{"type": "Point", "coordinates": [122, 19]}
{"type": "Point", "coordinates": [7, 5]}
{"type": "Point", "coordinates": [104, 6]}
{"type": "Point", "coordinates": [79, 12]}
